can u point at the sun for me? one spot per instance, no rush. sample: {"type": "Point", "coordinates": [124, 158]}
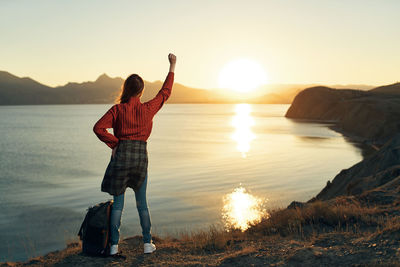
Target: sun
{"type": "Point", "coordinates": [242, 75]}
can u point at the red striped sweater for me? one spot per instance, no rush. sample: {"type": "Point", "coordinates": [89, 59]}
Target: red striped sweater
{"type": "Point", "coordinates": [132, 120]}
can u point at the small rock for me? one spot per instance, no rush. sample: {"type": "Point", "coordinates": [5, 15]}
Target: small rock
{"type": "Point", "coordinates": [296, 204]}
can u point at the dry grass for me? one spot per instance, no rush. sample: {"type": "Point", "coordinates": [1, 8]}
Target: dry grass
{"type": "Point", "coordinates": [212, 239]}
{"type": "Point", "coordinates": [319, 217]}
{"type": "Point", "coordinates": [388, 229]}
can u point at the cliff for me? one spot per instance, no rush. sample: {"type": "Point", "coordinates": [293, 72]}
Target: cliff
{"type": "Point", "coordinates": [371, 116]}
{"type": "Point", "coordinates": [376, 179]}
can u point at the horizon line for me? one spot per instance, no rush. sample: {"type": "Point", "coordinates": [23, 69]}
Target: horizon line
{"type": "Point", "coordinates": [218, 88]}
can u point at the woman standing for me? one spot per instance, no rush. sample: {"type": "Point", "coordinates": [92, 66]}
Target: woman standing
{"type": "Point", "coordinates": [132, 122]}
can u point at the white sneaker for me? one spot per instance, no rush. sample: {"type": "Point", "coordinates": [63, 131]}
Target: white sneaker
{"type": "Point", "coordinates": [113, 249]}
{"type": "Point", "coordinates": [149, 248]}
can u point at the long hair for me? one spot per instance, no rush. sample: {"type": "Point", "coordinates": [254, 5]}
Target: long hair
{"type": "Point", "coordinates": [133, 86]}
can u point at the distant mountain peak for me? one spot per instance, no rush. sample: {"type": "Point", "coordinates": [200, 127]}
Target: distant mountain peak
{"type": "Point", "coordinates": [6, 77]}
{"type": "Point", "coordinates": [103, 77]}
{"type": "Point", "coordinates": [6, 74]}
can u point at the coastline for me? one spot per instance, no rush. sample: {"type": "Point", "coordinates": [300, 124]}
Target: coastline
{"type": "Point", "coordinates": [367, 147]}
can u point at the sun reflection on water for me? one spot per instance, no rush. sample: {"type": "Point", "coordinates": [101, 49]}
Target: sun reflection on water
{"type": "Point", "coordinates": [242, 122]}
{"type": "Point", "coordinates": [242, 209]}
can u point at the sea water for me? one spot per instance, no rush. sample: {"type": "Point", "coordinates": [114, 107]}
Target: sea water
{"type": "Point", "coordinates": [52, 165]}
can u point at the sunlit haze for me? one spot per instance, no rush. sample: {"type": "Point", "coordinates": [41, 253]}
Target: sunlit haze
{"type": "Point", "coordinates": [242, 75]}
{"type": "Point", "coordinates": [310, 41]}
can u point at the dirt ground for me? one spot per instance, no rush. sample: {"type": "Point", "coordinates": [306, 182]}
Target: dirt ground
{"type": "Point", "coordinates": [329, 249]}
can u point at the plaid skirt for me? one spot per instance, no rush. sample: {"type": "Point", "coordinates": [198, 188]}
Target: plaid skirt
{"type": "Point", "coordinates": [128, 167]}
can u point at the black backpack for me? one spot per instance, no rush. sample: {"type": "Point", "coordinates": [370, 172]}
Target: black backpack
{"type": "Point", "coordinates": [95, 229]}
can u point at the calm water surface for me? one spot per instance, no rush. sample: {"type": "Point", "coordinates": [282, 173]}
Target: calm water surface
{"type": "Point", "coordinates": [52, 166]}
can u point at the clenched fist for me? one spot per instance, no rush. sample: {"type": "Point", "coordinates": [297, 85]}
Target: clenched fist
{"type": "Point", "coordinates": [172, 58]}
{"type": "Point", "coordinates": [172, 62]}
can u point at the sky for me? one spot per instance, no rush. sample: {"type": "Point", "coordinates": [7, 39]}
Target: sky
{"type": "Point", "coordinates": [308, 41]}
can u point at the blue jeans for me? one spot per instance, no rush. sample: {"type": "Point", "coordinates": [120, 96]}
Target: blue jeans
{"type": "Point", "coordinates": [144, 215]}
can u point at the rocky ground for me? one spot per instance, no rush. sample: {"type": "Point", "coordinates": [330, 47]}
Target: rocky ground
{"type": "Point", "coordinates": [326, 249]}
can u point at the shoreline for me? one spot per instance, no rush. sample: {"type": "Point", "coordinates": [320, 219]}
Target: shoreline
{"type": "Point", "coordinates": [367, 147]}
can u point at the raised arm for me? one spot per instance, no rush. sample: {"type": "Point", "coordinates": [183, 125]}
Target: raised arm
{"type": "Point", "coordinates": [106, 122]}
{"type": "Point", "coordinates": [154, 105]}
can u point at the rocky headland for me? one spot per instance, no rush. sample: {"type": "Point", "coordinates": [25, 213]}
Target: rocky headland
{"type": "Point", "coordinates": [371, 117]}
{"type": "Point", "coordinates": [353, 221]}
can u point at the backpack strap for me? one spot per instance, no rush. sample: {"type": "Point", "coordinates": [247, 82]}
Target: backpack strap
{"type": "Point", "coordinates": [80, 234]}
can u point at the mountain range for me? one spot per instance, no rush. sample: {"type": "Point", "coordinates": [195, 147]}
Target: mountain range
{"type": "Point", "coordinates": [15, 90]}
